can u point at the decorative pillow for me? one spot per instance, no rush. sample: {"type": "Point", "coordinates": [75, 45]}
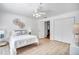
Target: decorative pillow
{"type": "Point", "coordinates": [20, 32]}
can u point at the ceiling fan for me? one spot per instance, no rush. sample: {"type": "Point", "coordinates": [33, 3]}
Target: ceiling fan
{"type": "Point", "coordinates": [37, 13]}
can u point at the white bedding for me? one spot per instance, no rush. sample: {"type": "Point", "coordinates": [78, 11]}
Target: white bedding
{"type": "Point", "coordinates": [20, 41]}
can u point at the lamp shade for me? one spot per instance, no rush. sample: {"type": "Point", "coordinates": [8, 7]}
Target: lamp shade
{"type": "Point", "coordinates": [76, 27]}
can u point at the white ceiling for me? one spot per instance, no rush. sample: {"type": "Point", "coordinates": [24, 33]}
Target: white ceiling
{"type": "Point", "coordinates": [27, 8]}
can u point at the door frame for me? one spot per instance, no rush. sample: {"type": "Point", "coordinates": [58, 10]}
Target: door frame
{"type": "Point", "coordinates": [44, 27]}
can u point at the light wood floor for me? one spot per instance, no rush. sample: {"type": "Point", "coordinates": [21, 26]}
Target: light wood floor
{"type": "Point", "coordinates": [46, 47]}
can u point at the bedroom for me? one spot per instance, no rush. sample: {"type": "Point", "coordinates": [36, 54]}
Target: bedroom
{"type": "Point", "coordinates": [30, 18]}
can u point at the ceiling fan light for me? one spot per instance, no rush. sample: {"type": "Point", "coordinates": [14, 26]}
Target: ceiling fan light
{"type": "Point", "coordinates": [39, 12]}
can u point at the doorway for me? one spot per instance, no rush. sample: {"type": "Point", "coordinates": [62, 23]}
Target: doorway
{"type": "Point", "coordinates": [47, 29]}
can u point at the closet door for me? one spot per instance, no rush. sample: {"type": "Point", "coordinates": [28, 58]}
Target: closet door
{"type": "Point", "coordinates": [63, 30]}
{"type": "Point", "coordinates": [58, 33]}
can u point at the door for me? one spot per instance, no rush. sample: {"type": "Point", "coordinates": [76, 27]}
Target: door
{"type": "Point", "coordinates": [64, 30]}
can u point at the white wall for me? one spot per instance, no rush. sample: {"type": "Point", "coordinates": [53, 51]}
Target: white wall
{"type": "Point", "coordinates": [6, 21]}
{"type": "Point", "coordinates": [35, 27]}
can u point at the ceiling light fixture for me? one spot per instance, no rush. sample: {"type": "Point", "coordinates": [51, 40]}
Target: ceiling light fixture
{"type": "Point", "coordinates": [37, 13]}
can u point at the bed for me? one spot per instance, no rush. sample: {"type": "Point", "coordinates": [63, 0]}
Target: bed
{"type": "Point", "coordinates": [20, 41]}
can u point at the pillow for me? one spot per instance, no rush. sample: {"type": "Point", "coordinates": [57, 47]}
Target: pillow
{"type": "Point", "coordinates": [20, 32]}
